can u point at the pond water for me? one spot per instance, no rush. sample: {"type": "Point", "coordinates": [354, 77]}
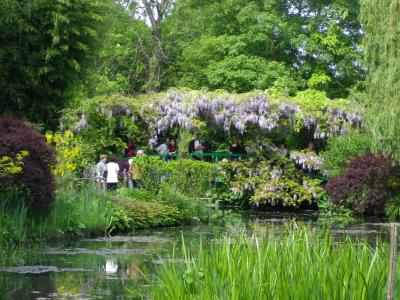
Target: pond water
{"type": "Point", "coordinates": [106, 267]}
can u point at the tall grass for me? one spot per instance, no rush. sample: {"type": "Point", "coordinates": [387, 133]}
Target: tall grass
{"type": "Point", "coordinates": [76, 210]}
{"type": "Point", "coordinates": [15, 227]}
{"type": "Point", "coordinates": [297, 265]}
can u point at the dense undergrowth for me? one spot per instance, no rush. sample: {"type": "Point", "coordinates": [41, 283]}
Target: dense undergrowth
{"type": "Point", "coordinates": [300, 264]}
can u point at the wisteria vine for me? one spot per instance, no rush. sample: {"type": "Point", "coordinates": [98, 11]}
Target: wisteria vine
{"type": "Point", "coordinates": [229, 112]}
{"type": "Point", "coordinates": [179, 109]}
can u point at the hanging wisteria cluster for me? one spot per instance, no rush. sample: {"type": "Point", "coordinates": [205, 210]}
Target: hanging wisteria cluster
{"type": "Point", "coordinates": [179, 109]}
{"type": "Point", "coordinates": [269, 185]}
{"type": "Point", "coordinates": [307, 160]}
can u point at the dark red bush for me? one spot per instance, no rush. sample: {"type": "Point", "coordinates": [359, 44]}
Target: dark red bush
{"type": "Point", "coordinates": [36, 177]}
{"type": "Point", "coordinates": [366, 184]}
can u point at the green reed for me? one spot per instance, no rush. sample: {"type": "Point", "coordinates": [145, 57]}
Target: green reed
{"type": "Point", "coordinates": [298, 264]}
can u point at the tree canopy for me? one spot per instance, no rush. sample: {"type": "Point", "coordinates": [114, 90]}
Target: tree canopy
{"type": "Point", "coordinates": [58, 52]}
{"type": "Point", "coordinates": [46, 47]}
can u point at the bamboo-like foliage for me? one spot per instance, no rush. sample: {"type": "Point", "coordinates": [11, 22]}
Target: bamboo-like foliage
{"type": "Point", "coordinates": [382, 46]}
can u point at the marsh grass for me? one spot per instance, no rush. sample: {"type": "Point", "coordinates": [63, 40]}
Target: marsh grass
{"type": "Point", "coordinates": [74, 211]}
{"type": "Point", "coordinates": [299, 264]}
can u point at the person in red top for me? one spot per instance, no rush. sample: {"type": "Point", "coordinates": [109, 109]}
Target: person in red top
{"type": "Point", "coordinates": [172, 147]}
{"type": "Point", "coordinates": [130, 151]}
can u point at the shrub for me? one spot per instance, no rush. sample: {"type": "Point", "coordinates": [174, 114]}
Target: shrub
{"type": "Point", "coordinates": [186, 176]}
{"type": "Point", "coordinates": [366, 184]}
{"type": "Point", "coordinates": [272, 182]}
{"type": "Point", "coordinates": [17, 136]}
{"type": "Point", "coordinates": [130, 213]}
{"type": "Point", "coordinates": [341, 150]}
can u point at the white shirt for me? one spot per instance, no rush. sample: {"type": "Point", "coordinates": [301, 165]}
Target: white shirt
{"type": "Point", "coordinates": [197, 145]}
{"type": "Point", "coordinates": [112, 172]}
{"type": "Point", "coordinates": [162, 149]}
{"type": "Point", "coordinates": [100, 168]}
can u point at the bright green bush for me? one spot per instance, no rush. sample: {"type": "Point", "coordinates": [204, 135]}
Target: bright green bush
{"type": "Point", "coordinates": [186, 176]}
{"type": "Point", "coordinates": [298, 265]}
{"type": "Point", "coordinates": [130, 213]}
{"type": "Point", "coordinates": [342, 149]}
{"type": "Point", "coordinates": [143, 209]}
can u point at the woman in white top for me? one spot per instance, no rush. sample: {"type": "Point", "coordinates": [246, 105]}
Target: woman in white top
{"type": "Point", "coordinates": [112, 174]}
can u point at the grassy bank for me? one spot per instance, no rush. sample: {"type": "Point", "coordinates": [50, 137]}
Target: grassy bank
{"type": "Point", "coordinates": [297, 265]}
{"type": "Point", "coordinates": [86, 210]}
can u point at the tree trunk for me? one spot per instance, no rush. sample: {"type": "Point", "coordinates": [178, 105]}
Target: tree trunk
{"type": "Point", "coordinates": [153, 84]}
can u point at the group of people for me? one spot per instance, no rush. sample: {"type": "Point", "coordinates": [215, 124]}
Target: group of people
{"type": "Point", "coordinates": [107, 171]}
{"type": "Point", "coordinates": [169, 147]}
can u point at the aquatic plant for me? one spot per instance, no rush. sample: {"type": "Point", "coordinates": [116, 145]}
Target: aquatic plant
{"type": "Point", "coordinates": [88, 211]}
{"type": "Point", "coordinates": [299, 264]}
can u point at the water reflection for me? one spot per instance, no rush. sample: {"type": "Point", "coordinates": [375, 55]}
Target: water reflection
{"type": "Point", "coordinates": [111, 266]}
{"type": "Point", "coordinates": [103, 268]}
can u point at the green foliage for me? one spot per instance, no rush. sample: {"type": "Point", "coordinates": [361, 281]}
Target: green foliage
{"type": "Point", "coordinates": [392, 208]}
{"type": "Point", "coordinates": [46, 48]}
{"type": "Point", "coordinates": [122, 62]}
{"type": "Point", "coordinates": [243, 73]}
{"type": "Point", "coordinates": [131, 213]}
{"type": "Point", "coordinates": [342, 149]}
{"type": "Point", "coordinates": [243, 45]}
{"type": "Point", "coordinates": [12, 166]}
{"type": "Point", "coordinates": [110, 124]}
{"type": "Point", "coordinates": [315, 267]}
{"type": "Point", "coordinates": [189, 177]}
{"type": "Point", "coordinates": [269, 182]}
{"type": "Point", "coordinates": [88, 211]}
{"type": "Point", "coordinates": [140, 208]}
{"type": "Point", "coordinates": [382, 46]}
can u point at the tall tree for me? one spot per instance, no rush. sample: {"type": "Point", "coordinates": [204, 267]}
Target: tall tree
{"type": "Point", "coordinates": [382, 46]}
{"type": "Point", "coordinates": [46, 46]}
{"type": "Point", "coordinates": [154, 12]}
{"type": "Point", "coordinates": [122, 63]}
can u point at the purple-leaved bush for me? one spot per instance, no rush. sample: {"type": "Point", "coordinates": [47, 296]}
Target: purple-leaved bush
{"type": "Point", "coordinates": [366, 184]}
{"type": "Point", "coordinates": [36, 176]}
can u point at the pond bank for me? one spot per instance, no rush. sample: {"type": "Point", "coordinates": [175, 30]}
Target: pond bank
{"type": "Point", "coordinates": [105, 267]}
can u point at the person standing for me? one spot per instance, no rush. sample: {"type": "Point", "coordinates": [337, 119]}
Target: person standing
{"type": "Point", "coordinates": [101, 171]}
{"type": "Point", "coordinates": [134, 171]}
{"type": "Point", "coordinates": [112, 174]}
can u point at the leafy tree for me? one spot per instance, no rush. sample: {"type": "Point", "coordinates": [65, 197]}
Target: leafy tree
{"type": "Point", "coordinates": [208, 41]}
{"type": "Point", "coordinates": [122, 63]}
{"type": "Point", "coordinates": [382, 46]}
{"type": "Point", "coordinates": [155, 12]}
{"type": "Point", "coordinates": [46, 47]}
